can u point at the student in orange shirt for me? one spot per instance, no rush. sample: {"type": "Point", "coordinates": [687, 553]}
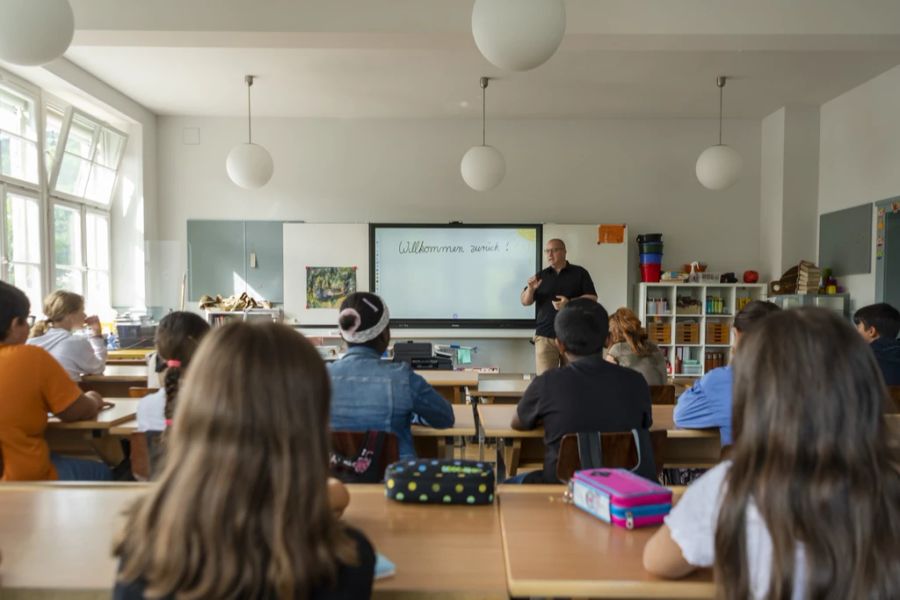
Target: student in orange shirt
{"type": "Point", "coordinates": [34, 384]}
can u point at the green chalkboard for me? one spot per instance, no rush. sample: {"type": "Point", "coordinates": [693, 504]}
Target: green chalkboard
{"type": "Point", "coordinates": [845, 241]}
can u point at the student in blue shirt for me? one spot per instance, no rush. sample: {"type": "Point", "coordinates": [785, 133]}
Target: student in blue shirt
{"type": "Point", "coordinates": [708, 402]}
{"type": "Point", "coordinates": [368, 393]}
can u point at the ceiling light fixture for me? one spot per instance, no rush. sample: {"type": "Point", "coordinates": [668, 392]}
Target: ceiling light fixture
{"type": "Point", "coordinates": [719, 166]}
{"type": "Point", "coordinates": [249, 165]}
{"type": "Point", "coordinates": [35, 32]}
{"type": "Point", "coordinates": [483, 167]}
{"type": "Point", "coordinates": [518, 34]}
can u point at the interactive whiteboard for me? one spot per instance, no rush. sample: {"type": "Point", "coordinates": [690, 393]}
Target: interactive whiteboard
{"type": "Point", "coordinates": [454, 275]}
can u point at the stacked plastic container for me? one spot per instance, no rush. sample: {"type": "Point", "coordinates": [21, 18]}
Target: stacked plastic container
{"type": "Point", "coordinates": [651, 249]}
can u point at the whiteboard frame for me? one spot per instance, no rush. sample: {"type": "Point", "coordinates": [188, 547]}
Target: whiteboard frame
{"type": "Point", "coordinates": [457, 323]}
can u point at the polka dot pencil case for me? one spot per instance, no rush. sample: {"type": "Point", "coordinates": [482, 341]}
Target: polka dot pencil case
{"type": "Point", "coordinates": [431, 481]}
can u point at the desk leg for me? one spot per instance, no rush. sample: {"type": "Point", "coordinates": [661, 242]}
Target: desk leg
{"type": "Point", "coordinates": [501, 464]}
{"type": "Point", "coordinates": [479, 431]}
{"type": "Point", "coordinates": [512, 462]}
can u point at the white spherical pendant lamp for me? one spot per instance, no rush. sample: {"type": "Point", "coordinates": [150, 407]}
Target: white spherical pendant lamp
{"type": "Point", "coordinates": [719, 166]}
{"type": "Point", "coordinates": [249, 165]}
{"type": "Point", "coordinates": [35, 32]}
{"type": "Point", "coordinates": [483, 167]}
{"type": "Point", "coordinates": [518, 34]}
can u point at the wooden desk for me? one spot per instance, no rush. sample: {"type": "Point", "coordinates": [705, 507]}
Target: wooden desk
{"type": "Point", "coordinates": [451, 384]}
{"type": "Point", "coordinates": [489, 390]}
{"type": "Point", "coordinates": [430, 442]}
{"type": "Point", "coordinates": [56, 541]}
{"type": "Point", "coordinates": [684, 447]}
{"type": "Point", "coordinates": [125, 410]}
{"type": "Point", "coordinates": [580, 556]}
{"type": "Point", "coordinates": [440, 551]}
{"type": "Point", "coordinates": [93, 438]}
{"type": "Point", "coordinates": [115, 380]}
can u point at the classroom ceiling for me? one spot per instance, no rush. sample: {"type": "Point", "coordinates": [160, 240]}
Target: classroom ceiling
{"type": "Point", "coordinates": [416, 58]}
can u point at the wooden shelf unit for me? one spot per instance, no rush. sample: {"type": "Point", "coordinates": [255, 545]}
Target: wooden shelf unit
{"type": "Point", "coordinates": [729, 300]}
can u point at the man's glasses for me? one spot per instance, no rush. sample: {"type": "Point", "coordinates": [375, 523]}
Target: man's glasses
{"type": "Point", "coordinates": [31, 319]}
{"type": "Point", "coordinates": [552, 250]}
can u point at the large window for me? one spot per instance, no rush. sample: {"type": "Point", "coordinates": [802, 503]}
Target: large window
{"type": "Point", "coordinates": [18, 135]}
{"type": "Point", "coordinates": [88, 164]}
{"type": "Point", "coordinates": [58, 168]}
{"type": "Point", "coordinates": [21, 248]}
{"type": "Point", "coordinates": [81, 253]}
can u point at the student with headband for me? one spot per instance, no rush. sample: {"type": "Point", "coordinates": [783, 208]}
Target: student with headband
{"type": "Point", "coordinates": [371, 394]}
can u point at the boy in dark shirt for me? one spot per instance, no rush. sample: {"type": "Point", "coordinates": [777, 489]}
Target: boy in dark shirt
{"type": "Point", "coordinates": [879, 325]}
{"type": "Point", "coordinates": [588, 394]}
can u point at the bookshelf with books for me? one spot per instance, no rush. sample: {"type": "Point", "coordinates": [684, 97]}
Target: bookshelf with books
{"type": "Point", "coordinates": [691, 322]}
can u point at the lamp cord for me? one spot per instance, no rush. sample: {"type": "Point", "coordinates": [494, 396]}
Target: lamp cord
{"type": "Point", "coordinates": [483, 105]}
{"type": "Point", "coordinates": [721, 95]}
{"type": "Point", "coordinates": [249, 123]}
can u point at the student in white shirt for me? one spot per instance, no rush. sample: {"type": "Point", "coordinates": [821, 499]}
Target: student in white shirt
{"type": "Point", "coordinates": [809, 504]}
{"type": "Point", "coordinates": [177, 338]}
{"type": "Point", "coordinates": [77, 355]}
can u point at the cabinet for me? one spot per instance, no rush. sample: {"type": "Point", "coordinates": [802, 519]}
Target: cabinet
{"type": "Point", "coordinates": [223, 317]}
{"type": "Point", "coordinates": [233, 257]}
{"type": "Point", "coordinates": [691, 322]}
{"type": "Point", "coordinates": [839, 303]}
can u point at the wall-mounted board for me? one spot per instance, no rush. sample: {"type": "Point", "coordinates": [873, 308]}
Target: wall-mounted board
{"type": "Point", "coordinates": [845, 241]}
{"type": "Point", "coordinates": [346, 245]}
{"type": "Point", "coordinates": [311, 245]}
{"type": "Point", "coordinates": [607, 263]}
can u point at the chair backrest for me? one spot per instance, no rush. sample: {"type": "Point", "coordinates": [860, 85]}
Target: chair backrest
{"type": "Point", "coordinates": [639, 450]}
{"type": "Point", "coordinates": [662, 394]}
{"type": "Point", "coordinates": [380, 448]}
{"type": "Point", "coordinates": [145, 453]}
{"type": "Point", "coordinates": [894, 393]}
{"type": "Point", "coordinates": [140, 392]}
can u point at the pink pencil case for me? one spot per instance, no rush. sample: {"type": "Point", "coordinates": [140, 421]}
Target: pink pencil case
{"type": "Point", "coordinates": [620, 497]}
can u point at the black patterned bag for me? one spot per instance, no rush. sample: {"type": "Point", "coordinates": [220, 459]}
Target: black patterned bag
{"type": "Point", "coordinates": [432, 481]}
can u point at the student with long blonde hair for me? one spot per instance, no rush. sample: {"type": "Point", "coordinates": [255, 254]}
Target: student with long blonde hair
{"type": "Point", "coordinates": [630, 347]}
{"type": "Point", "coordinates": [241, 508]}
{"type": "Point", "coordinates": [65, 313]}
{"type": "Point", "coordinates": [809, 504]}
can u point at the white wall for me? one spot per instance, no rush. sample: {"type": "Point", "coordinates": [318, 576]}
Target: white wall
{"type": "Point", "coordinates": [639, 172]}
{"type": "Point", "coordinates": [789, 182]}
{"type": "Point", "coordinates": [771, 209]}
{"type": "Point", "coordinates": [859, 154]}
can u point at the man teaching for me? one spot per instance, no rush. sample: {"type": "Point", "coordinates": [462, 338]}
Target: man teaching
{"type": "Point", "coordinates": [552, 289]}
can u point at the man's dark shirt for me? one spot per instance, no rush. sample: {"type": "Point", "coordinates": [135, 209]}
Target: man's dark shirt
{"type": "Point", "coordinates": [887, 353]}
{"type": "Point", "coordinates": [572, 281]}
{"type": "Point", "coordinates": [588, 394]}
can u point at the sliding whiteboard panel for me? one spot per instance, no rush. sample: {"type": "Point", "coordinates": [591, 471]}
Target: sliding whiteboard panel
{"type": "Point", "coordinates": [607, 263]}
{"type": "Point", "coordinates": [321, 245]}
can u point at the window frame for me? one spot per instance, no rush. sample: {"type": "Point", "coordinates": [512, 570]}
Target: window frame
{"type": "Point", "coordinates": [6, 261]}
{"type": "Point", "coordinates": [34, 94]}
{"type": "Point", "coordinates": [83, 210]}
{"type": "Point", "coordinates": [70, 113]}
